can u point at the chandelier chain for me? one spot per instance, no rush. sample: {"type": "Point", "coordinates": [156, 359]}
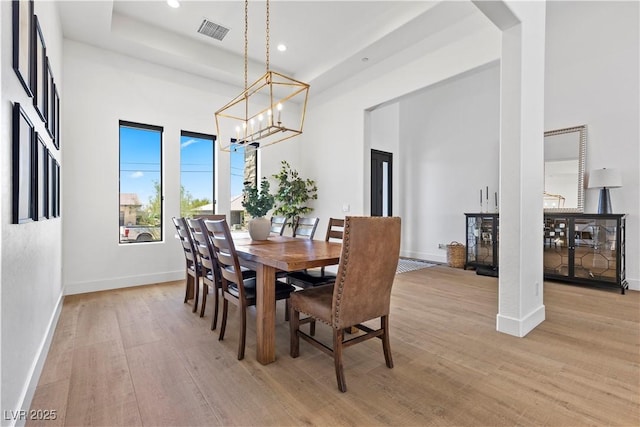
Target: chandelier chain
{"type": "Point", "coordinates": [246, 43]}
{"type": "Point", "coordinates": [268, 39]}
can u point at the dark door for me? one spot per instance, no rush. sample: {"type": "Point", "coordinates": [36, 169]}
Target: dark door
{"type": "Point", "coordinates": [381, 167]}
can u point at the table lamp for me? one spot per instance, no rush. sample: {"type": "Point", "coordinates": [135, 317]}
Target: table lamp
{"type": "Point", "coordinates": [605, 179]}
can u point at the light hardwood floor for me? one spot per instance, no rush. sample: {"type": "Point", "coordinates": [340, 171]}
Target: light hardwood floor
{"type": "Point", "coordinates": [139, 356]}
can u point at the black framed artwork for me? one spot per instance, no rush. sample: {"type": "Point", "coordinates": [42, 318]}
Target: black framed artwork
{"type": "Point", "coordinates": [40, 72]}
{"type": "Point", "coordinates": [22, 20]}
{"type": "Point", "coordinates": [51, 174]}
{"type": "Point", "coordinates": [51, 110]}
{"type": "Point", "coordinates": [54, 187]}
{"type": "Point", "coordinates": [42, 189]}
{"type": "Point", "coordinates": [56, 207]}
{"type": "Point", "coordinates": [22, 167]}
{"type": "Point", "coordinates": [56, 137]}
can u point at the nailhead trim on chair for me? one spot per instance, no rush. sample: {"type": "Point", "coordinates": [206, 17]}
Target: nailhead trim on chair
{"type": "Point", "coordinates": [345, 262]}
{"type": "Point", "coordinates": [310, 315]}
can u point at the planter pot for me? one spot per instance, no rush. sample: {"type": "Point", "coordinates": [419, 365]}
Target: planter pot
{"type": "Point", "coordinates": [259, 228]}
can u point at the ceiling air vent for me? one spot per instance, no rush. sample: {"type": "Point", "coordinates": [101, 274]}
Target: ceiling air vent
{"type": "Point", "coordinates": [213, 30]}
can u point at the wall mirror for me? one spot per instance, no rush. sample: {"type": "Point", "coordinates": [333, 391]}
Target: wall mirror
{"type": "Point", "coordinates": [564, 159]}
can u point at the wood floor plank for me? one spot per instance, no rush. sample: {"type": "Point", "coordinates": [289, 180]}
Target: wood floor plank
{"type": "Point", "coordinates": [100, 389]}
{"type": "Point", "coordinates": [97, 320]}
{"type": "Point", "coordinates": [166, 393]}
{"type": "Point", "coordinates": [60, 356]}
{"type": "Point", "coordinates": [139, 356]}
{"type": "Point", "coordinates": [51, 399]}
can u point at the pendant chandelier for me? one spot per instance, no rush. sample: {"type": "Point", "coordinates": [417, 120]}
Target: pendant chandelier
{"type": "Point", "coordinates": [268, 111]}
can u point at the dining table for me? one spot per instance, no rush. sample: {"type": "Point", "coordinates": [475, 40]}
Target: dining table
{"type": "Point", "coordinates": [266, 257]}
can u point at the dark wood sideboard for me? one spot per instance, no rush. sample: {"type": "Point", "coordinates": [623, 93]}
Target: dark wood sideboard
{"type": "Point", "coordinates": [584, 249]}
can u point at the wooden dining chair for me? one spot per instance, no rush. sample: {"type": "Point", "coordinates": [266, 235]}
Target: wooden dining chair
{"type": "Point", "coordinates": [318, 276]}
{"type": "Point", "coordinates": [217, 274]}
{"type": "Point", "coordinates": [278, 223]}
{"type": "Point", "coordinates": [192, 266]}
{"type": "Point", "coordinates": [210, 273]}
{"type": "Point", "coordinates": [368, 262]}
{"type": "Point", "coordinates": [305, 227]}
{"type": "Point", "coordinates": [238, 290]}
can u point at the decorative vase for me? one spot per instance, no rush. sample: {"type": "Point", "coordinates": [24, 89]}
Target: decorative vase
{"type": "Point", "coordinates": [259, 228]}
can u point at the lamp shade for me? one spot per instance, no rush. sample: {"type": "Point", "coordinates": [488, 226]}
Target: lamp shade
{"type": "Point", "coordinates": [605, 178]}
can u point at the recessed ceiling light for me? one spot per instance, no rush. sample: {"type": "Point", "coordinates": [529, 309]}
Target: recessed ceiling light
{"type": "Point", "coordinates": [282, 47]}
{"type": "Point", "coordinates": [173, 3]}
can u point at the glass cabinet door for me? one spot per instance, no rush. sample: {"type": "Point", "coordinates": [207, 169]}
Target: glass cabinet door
{"type": "Point", "coordinates": [556, 246]}
{"type": "Point", "coordinates": [595, 248]}
{"type": "Point", "coordinates": [480, 236]}
{"type": "Point", "coordinates": [473, 231]}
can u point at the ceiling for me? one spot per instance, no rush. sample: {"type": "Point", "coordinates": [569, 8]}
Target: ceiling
{"type": "Point", "coordinates": [327, 40]}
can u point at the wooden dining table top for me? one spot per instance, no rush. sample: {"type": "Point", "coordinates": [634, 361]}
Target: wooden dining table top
{"type": "Point", "coordinates": [289, 253]}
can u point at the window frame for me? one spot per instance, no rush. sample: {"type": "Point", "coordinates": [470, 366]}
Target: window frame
{"type": "Point", "coordinates": [160, 130]}
{"type": "Point", "coordinates": [213, 138]}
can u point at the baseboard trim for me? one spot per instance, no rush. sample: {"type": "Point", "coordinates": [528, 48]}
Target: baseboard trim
{"type": "Point", "coordinates": [634, 284]}
{"type": "Point", "coordinates": [520, 327]}
{"type": "Point", "coordinates": [73, 288]}
{"type": "Point", "coordinates": [424, 256]}
{"type": "Point", "coordinates": [24, 403]}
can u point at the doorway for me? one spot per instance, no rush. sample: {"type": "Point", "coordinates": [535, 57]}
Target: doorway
{"type": "Point", "coordinates": [381, 183]}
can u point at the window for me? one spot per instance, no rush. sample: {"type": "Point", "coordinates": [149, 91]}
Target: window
{"type": "Point", "coordinates": [140, 183]}
{"type": "Point", "coordinates": [243, 170]}
{"type": "Point", "coordinates": [196, 174]}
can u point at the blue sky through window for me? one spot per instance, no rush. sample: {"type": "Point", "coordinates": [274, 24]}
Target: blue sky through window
{"type": "Point", "coordinates": [140, 154]}
{"type": "Point", "coordinates": [196, 166]}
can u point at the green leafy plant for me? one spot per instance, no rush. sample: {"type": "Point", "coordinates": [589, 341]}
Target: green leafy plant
{"type": "Point", "coordinates": [293, 193]}
{"type": "Point", "coordinates": [258, 203]}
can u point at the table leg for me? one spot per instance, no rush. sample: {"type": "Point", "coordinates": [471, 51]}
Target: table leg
{"type": "Point", "coordinates": [266, 314]}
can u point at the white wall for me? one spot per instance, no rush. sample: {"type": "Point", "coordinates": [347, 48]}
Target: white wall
{"type": "Point", "coordinates": [592, 69]}
{"type": "Point", "coordinates": [335, 150]}
{"type": "Point", "coordinates": [102, 88]}
{"type": "Point", "coordinates": [31, 289]}
{"type": "Point", "coordinates": [450, 134]}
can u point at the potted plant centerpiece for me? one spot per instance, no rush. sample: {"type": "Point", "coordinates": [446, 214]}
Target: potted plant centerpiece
{"type": "Point", "coordinates": [293, 193]}
{"type": "Point", "coordinates": [257, 203]}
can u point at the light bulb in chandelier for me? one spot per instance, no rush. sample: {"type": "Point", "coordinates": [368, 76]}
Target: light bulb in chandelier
{"type": "Point", "coordinates": [279, 107]}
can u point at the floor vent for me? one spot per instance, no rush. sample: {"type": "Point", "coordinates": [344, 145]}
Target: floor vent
{"type": "Point", "coordinates": [213, 30]}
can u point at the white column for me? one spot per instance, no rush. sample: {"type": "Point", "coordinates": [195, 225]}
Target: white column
{"type": "Point", "coordinates": [520, 303]}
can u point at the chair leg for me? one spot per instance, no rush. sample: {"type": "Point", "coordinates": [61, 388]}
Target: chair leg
{"type": "Point", "coordinates": [386, 348]}
{"type": "Point", "coordinates": [205, 291]}
{"type": "Point", "coordinates": [223, 325]}
{"type": "Point", "coordinates": [312, 328]}
{"type": "Point", "coordinates": [243, 331]}
{"type": "Point", "coordinates": [216, 302]}
{"type": "Point", "coordinates": [196, 288]}
{"type": "Point", "coordinates": [188, 288]}
{"type": "Point", "coordinates": [338, 335]}
{"type": "Point", "coordinates": [286, 310]}
{"type": "Point", "coordinates": [294, 325]}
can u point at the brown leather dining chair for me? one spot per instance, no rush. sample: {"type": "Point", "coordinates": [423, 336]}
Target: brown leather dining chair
{"type": "Point", "coordinates": [210, 273]}
{"type": "Point", "coordinates": [192, 266]}
{"type": "Point", "coordinates": [236, 289]}
{"type": "Point", "coordinates": [318, 276]}
{"type": "Point", "coordinates": [368, 262]}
